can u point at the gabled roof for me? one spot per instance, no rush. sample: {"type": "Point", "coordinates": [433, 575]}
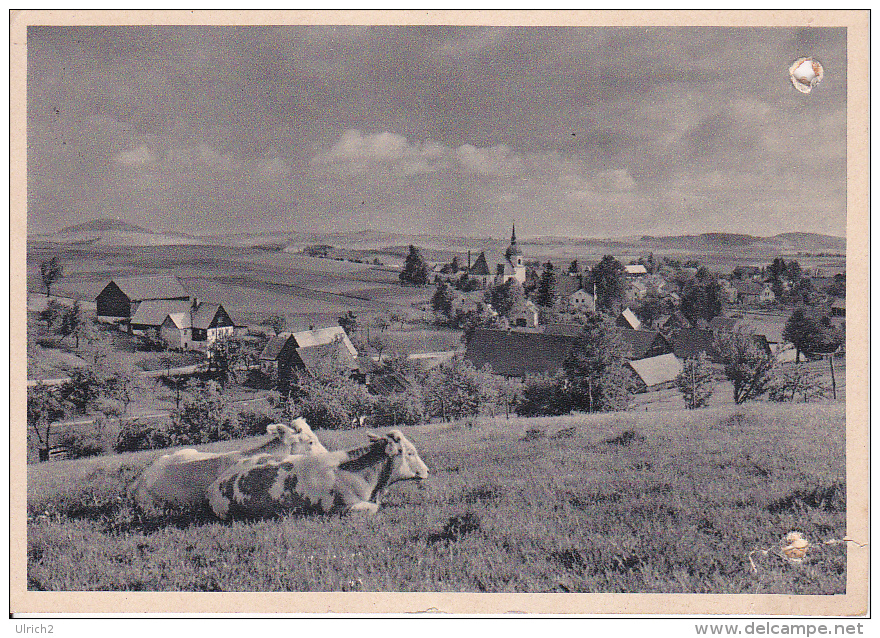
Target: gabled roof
{"type": "Point", "coordinates": [656, 370]}
{"type": "Point", "coordinates": [152, 287]}
{"type": "Point", "coordinates": [688, 343]}
{"type": "Point", "coordinates": [568, 329]}
{"type": "Point", "coordinates": [638, 342]}
{"type": "Point", "coordinates": [583, 290]}
{"type": "Point", "coordinates": [204, 315]}
{"type": "Point", "coordinates": [518, 353]}
{"type": "Point", "coordinates": [273, 348]}
{"type": "Point", "coordinates": [748, 287]}
{"type": "Point", "coordinates": [636, 269]}
{"type": "Point", "coordinates": [676, 321]}
{"type": "Point", "coordinates": [566, 285]}
{"type": "Point", "coordinates": [480, 266]}
{"type": "Point", "coordinates": [153, 311]}
{"type": "Point", "coordinates": [312, 356]}
{"type": "Point", "coordinates": [723, 323]}
{"type": "Point", "coordinates": [389, 383]}
{"type": "Point", "coordinates": [181, 320]}
{"type": "Point", "coordinates": [323, 336]}
{"type": "Point", "coordinates": [630, 318]}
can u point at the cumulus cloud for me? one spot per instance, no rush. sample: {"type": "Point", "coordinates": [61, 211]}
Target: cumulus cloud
{"type": "Point", "coordinates": [140, 156]}
{"type": "Point", "coordinates": [356, 152]}
{"type": "Point", "coordinates": [618, 180]}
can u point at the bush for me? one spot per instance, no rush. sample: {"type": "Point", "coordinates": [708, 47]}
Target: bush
{"type": "Point", "coordinates": [544, 396]}
{"type": "Point", "coordinates": [81, 446]}
{"type": "Point", "coordinates": [135, 436]}
{"type": "Point", "coordinates": [790, 381]}
{"type": "Point", "coordinates": [253, 421]}
{"type": "Point", "coordinates": [405, 408]}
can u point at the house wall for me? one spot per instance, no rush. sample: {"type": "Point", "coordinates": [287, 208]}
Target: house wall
{"type": "Point", "coordinates": [113, 303]}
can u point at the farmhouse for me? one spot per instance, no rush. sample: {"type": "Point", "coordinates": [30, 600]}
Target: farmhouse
{"type": "Point", "coordinates": [524, 314]}
{"type": "Point", "coordinates": [120, 298]}
{"type": "Point", "coordinates": [183, 324]}
{"type": "Point", "coordinates": [641, 344]}
{"type": "Point", "coordinates": [307, 350]}
{"type": "Point", "coordinates": [628, 319]}
{"type": "Point", "coordinates": [635, 270]}
{"type": "Point", "coordinates": [518, 353]}
{"type": "Point", "coordinates": [752, 292]}
{"type": "Point", "coordinates": [582, 300]}
{"type": "Point", "coordinates": [655, 373]}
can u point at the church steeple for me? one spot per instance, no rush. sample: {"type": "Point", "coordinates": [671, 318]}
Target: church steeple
{"type": "Point", "coordinates": [513, 253]}
{"type": "Point", "coordinates": [513, 235]}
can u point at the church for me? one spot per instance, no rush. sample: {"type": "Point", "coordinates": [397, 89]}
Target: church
{"type": "Point", "coordinates": [514, 266]}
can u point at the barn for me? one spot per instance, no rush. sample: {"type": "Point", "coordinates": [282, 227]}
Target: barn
{"type": "Point", "coordinates": [518, 353]}
{"type": "Point", "coordinates": [655, 373]}
{"type": "Point", "coordinates": [120, 298]}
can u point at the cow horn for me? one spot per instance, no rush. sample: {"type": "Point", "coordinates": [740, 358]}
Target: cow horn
{"type": "Point", "coordinates": [374, 437]}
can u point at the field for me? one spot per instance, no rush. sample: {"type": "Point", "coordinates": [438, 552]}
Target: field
{"type": "Point", "coordinates": [250, 283]}
{"type": "Point", "coordinates": [621, 502]}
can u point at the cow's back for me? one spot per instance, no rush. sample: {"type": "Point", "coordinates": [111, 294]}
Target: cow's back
{"type": "Point", "coordinates": [180, 479]}
{"type": "Point", "coordinates": [265, 487]}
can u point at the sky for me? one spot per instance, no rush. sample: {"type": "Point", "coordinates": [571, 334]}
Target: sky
{"type": "Point", "coordinates": [460, 131]}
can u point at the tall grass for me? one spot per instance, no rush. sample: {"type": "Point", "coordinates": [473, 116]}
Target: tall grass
{"type": "Point", "coordinates": [623, 503]}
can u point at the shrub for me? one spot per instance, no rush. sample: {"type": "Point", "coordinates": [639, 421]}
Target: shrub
{"type": "Point", "coordinates": [789, 382]}
{"type": "Point", "coordinates": [544, 396]}
{"type": "Point", "coordinates": [135, 436]}
{"type": "Point", "coordinates": [404, 408]}
{"type": "Point", "coordinates": [695, 381]}
{"type": "Point", "coordinates": [253, 421]}
{"type": "Point", "coordinates": [80, 445]}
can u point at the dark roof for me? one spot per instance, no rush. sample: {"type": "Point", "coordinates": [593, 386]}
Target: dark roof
{"type": "Point", "coordinates": [518, 353]}
{"type": "Point", "coordinates": [688, 343]}
{"type": "Point", "coordinates": [566, 285]}
{"type": "Point", "coordinates": [273, 348]}
{"type": "Point", "coordinates": [677, 320]}
{"type": "Point", "coordinates": [389, 383]}
{"type": "Point", "coordinates": [723, 323]}
{"type": "Point", "coordinates": [203, 316]}
{"type": "Point", "coordinates": [153, 287]}
{"type": "Point", "coordinates": [748, 287]}
{"type": "Point", "coordinates": [638, 343]}
{"type": "Point", "coordinates": [311, 356]}
{"type": "Point", "coordinates": [480, 266]}
{"type": "Point", "coordinates": [568, 329]}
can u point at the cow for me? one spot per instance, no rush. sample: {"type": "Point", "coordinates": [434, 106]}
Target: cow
{"type": "Point", "coordinates": [182, 478]}
{"type": "Point", "coordinates": [336, 482]}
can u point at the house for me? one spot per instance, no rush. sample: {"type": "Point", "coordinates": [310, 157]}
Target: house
{"type": "Point", "coordinates": [209, 322]}
{"type": "Point", "coordinates": [655, 373]}
{"type": "Point", "coordinates": [676, 321]}
{"type": "Point", "coordinates": [582, 300]}
{"type": "Point", "coordinates": [628, 319]}
{"type": "Point", "coordinates": [753, 292]}
{"type": "Point", "coordinates": [151, 314]}
{"type": "Point", "coordinates": [640, 344]}
{"type": "Point", "coordinates": [518, 353]}
{"type": "Point", "coordinates": [721, 324]}
{"type": "Point", "coordinates": [636, 290]}
{"type": "Point", "coordinates": [635, 270]}
{"type": "Point", "coordinates": [183, 324]}
{"type": "Point", "coordinates": [480, 271]}
{"type": "Point", "coordinates": [307, 350]}
{"type": "Point", "coordinates": [567, 284]}
{"type": "Point", "coordinates": [524, 314]}
{"type": "Point", "coordinates": [120, 298]}
{"type": "Point", "coordinates": [747, 272]}
{"type": "Point", "coordinates": [838, 308]}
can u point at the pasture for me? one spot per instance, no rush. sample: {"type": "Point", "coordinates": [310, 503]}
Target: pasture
{"type": "Point", "coordinates": [621, 502]}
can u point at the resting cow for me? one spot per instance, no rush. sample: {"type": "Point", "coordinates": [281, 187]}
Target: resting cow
{"type": "Point", "coordinates": [336, 482]}
{"type": "Point", "coordinates": [183, 477]}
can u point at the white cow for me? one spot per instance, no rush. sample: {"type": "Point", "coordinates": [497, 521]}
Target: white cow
{"type": "Point", "coordinates": [341, 481]}
{"type": "Point", "coordinates": [183, 477]}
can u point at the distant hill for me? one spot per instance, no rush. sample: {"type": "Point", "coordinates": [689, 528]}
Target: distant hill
{"type": "Point", "coordinates": [814, 242]}
{"type": "Point", "coordinates": [103, 226]}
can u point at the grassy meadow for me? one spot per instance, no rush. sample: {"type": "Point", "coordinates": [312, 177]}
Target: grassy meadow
{"type": "Point", "coordinates": [624, 502]}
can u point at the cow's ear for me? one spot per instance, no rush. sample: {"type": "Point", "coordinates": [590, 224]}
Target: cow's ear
{"type": "Point", "coordinates": [394, 435]}
{"type": "Point", "coordinates": [374, 437]}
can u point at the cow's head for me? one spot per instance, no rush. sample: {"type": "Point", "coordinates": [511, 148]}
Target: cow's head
{"type": "Point", "coordinates": [298, 437]}
{"type": "Point", "coordinates": [406, 461]}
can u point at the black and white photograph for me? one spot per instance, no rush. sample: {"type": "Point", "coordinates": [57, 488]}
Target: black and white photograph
{"type": "Point", "coordinates": [446, 307]}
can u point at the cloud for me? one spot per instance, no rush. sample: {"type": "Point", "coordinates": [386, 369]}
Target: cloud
{"type": "Point", "coordinates": [140, 156]}
{"type": "Point", "coordinates": [618, 180]}
{"type": "Point", "coordinates": [356, 152]}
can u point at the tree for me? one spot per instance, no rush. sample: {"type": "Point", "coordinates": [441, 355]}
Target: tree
{"type": "Point", "coordinates": [454, 390]}
{"type": "Point", "coordinates": [695, 381]}
{"type": "Point", "coordinates": [544, 396]}
{"type": "Point", "coordinates": [609, 278]}
{"type": "Point", "coordinates": [701, 299]}
{"type": "Point", "coordinates": [504, 297]}
{"type": "Point", "coordinates": [52, 314]}
{"type": "Point", "coordinates": [789, 381]}
{"type": "Point", "coordinates": [598, 379]}
{"type": "Point", "coordinates": [745, 364]}
{"type": "Point", "coordinates": [649, 263]}
{"type": "Point", "coordinates": [349, 323]}
{"type": "Point", "coordinates": [83, 389]}
{"type": "Point", "coordinates": [650, 310]}
{"type": "Point", "coordinates": [125, 385]}
{"type": "Point", "coordinates": [443, 300]}
{"type": "Point", "coordinates": [573, 267]}
{"type": "Point", "coordinates": [455, 266]}
{"type": "Point", "coordinates": [45, 407]}
{"type": "Point", "coordinates": [50, 272]}
{"type": "Point", "coordinates": [276, 322]}
{"type": "Point", "coordinates": [415, 269]}
{"type": "Point", "coordinates": [547, 286]}
{"type": "Point", "coordinates": [802, 332]}
{"type": "Point", "coordinates": [219, 362]}
{"type": "Point", "coordinates": [200, 416]}
{"type": "Point", "coordinates": [72, 322]}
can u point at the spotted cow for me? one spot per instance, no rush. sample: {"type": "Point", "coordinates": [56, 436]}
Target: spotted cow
{"type": "Point", "coordinates": [336, 482]}
{"type": "Point", "coordinates": [183, 477]}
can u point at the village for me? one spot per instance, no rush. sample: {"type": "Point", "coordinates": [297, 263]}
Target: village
{"type": "Point", "coordinates": [517, 325]}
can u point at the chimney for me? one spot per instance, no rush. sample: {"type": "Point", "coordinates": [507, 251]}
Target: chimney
{"type": "Point", "coordinates": [195, 305]}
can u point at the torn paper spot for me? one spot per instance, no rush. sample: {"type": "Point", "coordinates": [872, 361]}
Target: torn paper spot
{"type": "Point", "coordinates": [806, 73]}
{"type": "Point", "coordinates": [796, 548]}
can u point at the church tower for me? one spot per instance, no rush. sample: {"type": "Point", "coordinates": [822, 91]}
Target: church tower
{"type": "Point", "coordinates": [513, 253]}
